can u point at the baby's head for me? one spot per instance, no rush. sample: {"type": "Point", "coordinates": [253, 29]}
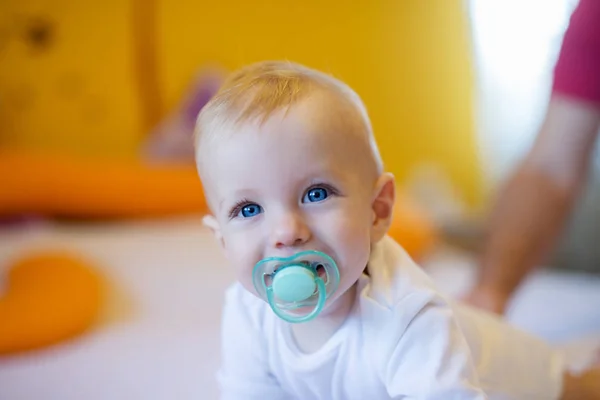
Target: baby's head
{"type": "Point", "coordinates": [289, 163]}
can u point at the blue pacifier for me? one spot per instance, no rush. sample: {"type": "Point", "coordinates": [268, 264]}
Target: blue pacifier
{"type": "Point", "coordinates": [306, 279]}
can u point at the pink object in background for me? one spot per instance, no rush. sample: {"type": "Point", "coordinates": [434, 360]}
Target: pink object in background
{"type": "Point", "coordinates": [577, 71]}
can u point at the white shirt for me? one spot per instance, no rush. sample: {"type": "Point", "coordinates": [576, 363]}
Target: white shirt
{"type": "Point", "coordinates": [402, 340]}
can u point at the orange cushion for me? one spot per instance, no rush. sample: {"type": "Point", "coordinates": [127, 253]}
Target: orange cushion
{"type": "Point", "coordinates": [412, 227]}
{"type": "Point", "coordinates": [48, 297]}
{"type": "Point", "coordinates": [56, 185]}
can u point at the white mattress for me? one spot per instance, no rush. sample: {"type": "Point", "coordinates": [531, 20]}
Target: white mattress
{"type": "Point", "coordinates": [158, 335]}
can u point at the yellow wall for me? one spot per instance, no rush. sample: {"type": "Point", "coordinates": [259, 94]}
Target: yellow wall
{"type": "Point", "coordinates": [74, 89]}
{"type": "Point", "coordinates": [408, 59]}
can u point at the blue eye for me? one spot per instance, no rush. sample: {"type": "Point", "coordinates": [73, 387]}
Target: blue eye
{"type": "Point", "coordinates": [250, 210]}
{"type": "Point", "coordinates": [315, 195]}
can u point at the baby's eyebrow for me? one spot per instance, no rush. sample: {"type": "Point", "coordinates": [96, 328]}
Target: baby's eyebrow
{"type": "Point", "coordinates": [237, 195]}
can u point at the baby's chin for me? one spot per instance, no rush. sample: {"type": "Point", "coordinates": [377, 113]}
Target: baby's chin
{"type": "Point", "coordinates": [330, 306]}
{"type": "Point", "coordinates": [301, 311]}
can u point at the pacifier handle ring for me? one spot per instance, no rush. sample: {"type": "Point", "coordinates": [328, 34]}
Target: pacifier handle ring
{"type": "Point", "coordinates": [296, 320]}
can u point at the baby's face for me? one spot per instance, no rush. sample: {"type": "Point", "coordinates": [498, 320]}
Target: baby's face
{"type": "Point", "coordinates": [298, 182]}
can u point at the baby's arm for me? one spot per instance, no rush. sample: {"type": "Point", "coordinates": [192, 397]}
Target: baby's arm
{"type": "Point", "coordinates": [244, 373]}
{"type": "Point", "coordinates": [431, 359]}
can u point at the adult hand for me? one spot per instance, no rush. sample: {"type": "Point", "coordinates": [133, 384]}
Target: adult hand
{"type": "Point", "coordinates": [488, 298]}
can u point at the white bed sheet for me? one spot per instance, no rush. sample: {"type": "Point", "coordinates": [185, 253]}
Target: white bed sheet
{"type": "Point", "coordinates": [158, 335]}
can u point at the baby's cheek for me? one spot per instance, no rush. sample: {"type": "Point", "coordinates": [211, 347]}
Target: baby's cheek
{"type": "Point", "coordinates": [241, 256]}
{"type": "Point", "coordinates": [354, 241]}
{"type": "Point", "coordinates": [242, 268]}
{"type": "Point", "coordinates": [354, 228]}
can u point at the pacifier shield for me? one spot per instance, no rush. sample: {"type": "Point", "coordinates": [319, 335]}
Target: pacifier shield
{"type": "Point", "coordinates": [296, 287]}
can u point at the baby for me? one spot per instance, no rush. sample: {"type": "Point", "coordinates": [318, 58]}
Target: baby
{"type": "Point", "coordinates": [327, 306]}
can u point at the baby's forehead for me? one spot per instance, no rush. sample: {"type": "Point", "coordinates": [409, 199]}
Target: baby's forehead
{"type": "Point", "coordinates": [322, 128]}
{"type": "Point", "coordinates": [321, 112]}
{"type": "Point", "coordinates": [268, 161]}
{"type": "Point", "coordinates": [314, 125]}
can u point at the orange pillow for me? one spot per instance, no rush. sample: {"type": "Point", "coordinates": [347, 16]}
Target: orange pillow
{"type": "Point", "coordinates": [412, 227]}
{"type": "Point", "coordinates": [48, 297]}
{"type": "Point", "coordinates": [55, 185]}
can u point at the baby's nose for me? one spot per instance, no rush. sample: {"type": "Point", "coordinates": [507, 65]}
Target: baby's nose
{"type": "Point", "coordinates": [290, 231]}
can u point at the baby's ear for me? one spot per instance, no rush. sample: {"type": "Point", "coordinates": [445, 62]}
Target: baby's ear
{"type": "Point", "coordinates": [383, 206]}
{"type": "Point", "coordinates": [211, 223]}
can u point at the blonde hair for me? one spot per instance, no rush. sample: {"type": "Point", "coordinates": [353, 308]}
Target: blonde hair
{"type": "Point", "coordinates": [257, 91]}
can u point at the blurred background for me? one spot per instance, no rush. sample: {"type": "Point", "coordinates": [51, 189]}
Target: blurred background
{"type": "Point", "coordinates": [98, 189]}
